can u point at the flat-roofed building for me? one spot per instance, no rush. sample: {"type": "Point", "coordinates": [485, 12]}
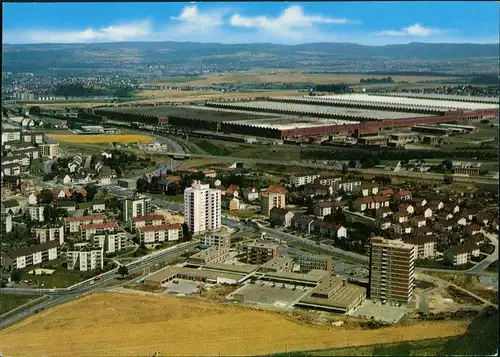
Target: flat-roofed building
{"type": "Point", "coordinates": [110, 242]}
{"type": "Point", "coordinates": [392, 270]}
{"type": "Point", "coordinates": [85, 258]}
{"type": "Point", "coordinates": [142, 221]}
{"type": "Point", "coordinates": [169, 274]}
{"type": "Point", "coordinates": [73, 223]}
{"type": "Point", "coordinates": [49, 233]}
{"type": "Point", "coordinates": [88, 230]}
{"type": "Point", "coordinates": [210, 255]}
{"type": "Point", "coordinates": [50, 151]}
{"type": "Point", "coordinates": [202, 208]}
{"type": "Point", "coordinates": [308, 262]}
{"type": "Point", "coordinates": [261, 252]}
{"type": "Point", "coordinates": [216, 240]}
{"type": "Point", "coordinates": [277, 265]}
{"type": "Point", "coordinates": [378, 140]}
{"type": "Point", "coordinates": [302, 180]}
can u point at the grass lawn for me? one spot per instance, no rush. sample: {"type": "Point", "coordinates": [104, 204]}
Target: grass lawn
{"type": "Point", "coordinates": [61, 278]}
{"type": "Point", "coordinates": [147, 288]}
{"type": "Point", "coordinates": [168, 198]}
{"type": "Point", "coordinates": [493, 267]}
{"type": "Point", "coordinates": [243, 214]}
{"type": "Point", "coordinates": [9, 302]}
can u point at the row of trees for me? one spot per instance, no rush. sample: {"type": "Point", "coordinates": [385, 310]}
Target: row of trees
{"type": "Point", "coordinates": [376, 80]}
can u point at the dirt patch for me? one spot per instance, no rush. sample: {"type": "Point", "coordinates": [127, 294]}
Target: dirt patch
{"type": "Point", "coordinates": [461, 297]}
{"type": "Point", "coordinates": [114, 324]}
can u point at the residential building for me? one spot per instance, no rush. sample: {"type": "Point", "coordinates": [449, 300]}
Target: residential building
{"type": "Point", "coordinates": [426, 245]}
{"type": "Point", "coordinates": [32, 199]}
{"type": "Point", "coordinates": [232, 191]}
{"type": "Point", "coordinates": [151, 236]}
{"type": "Point", "coordinates": [277, 265]}
{"type": "Point", "coordinates": [384, 212]}
{"type": "Point", "coordinates": [327, 229]}
{"type": "Point", "coordinates": [88, 230]}
{"type": "Point", "coordinates": [392, 270]}
{"type": "Point", "coordinates": [49, 233]}
{"type": "Point", "coordinates": [462, 254]}
{"type": "Point", "coordinates": [250, 194]}
{"type": "Point", "coordinates": [327, 181]}
{"type": "Point", "coordinates": [407, 207]}
{"type": "Point", "coordinates": [366, 189]}
{"type": "Point", "coordinates": [50, 151]}
{"type": "Point", "coordinates": [303, 222]}
{"type": "Point", "coordinates": [261, 252]}
{"type": "Point", "coordinates": [274, 196]}
{"type": "Point", "coordinates": [215, 254]}
{"type": "Point", "coordinates": [98, 205]}
{"type": "Point", "coordinates": [29, 256]}
{"type": "Point", "coordinates": [153, 220]}
{"type": "Point", "coordinates": [314, 189]}
{"type": "Point", "coordinates": [281, 217]}
{"type": "Point", "coordinates": [86, 258]}
{"type": "Point", "coordinates": [402, 228]}
{"type": "Point", "coordinates": [11, 206]}
{"type": "Point", "coordinates": [210, 173]}
{"type": "Point", "coordinates": [36, 213]}
{"type": "Point", "coordinates": [6, 223]}
{"type": "Point", "coordinates": [418, 221]}
{"type": "Point", "coordinates": [202, 208]}
{"type": "Point", "coordinates": [136, 206]}
{"type": "Point", "coordinates": [10, 135]}
{"type": "Point", "coordinates": [302, 180]}
{"type": "Point", "coordinates": [110, 242]}
{"type": "Point", "coordinates": [69, 206]}
{"type": "Point", "coordinates": [371, 202]}
{"type": "Point", "coordinates": [73, 223]}
{"type": "Point", "coordinates": [310, 262]}
{"type": "Point", "coordinates": [323, 208]}
{"type": "Point", "coordinates": [12, 169]}
{"type": "Point", "coordinates": [232, 204]}
{"type": "Point", "coordinates": [403, 195]}
{"type": "Point", "coordinates": [12, 182]}
{"type": "Point", "coordinates": [346, 186]}
{"type": "Point", "coordinates": [424, 211]}
{"type": "Point", "coordinates": [436, 205]}
{"type": "Point", "coordinates": [216, 240]}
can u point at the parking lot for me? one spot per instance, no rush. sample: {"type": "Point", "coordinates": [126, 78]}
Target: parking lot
{"type": "Point", "coordinates": [384, 313]}
{"type": "Point", "coordinates": [182, 287]}
{"type": "Point", "coordinates": [265, 293]}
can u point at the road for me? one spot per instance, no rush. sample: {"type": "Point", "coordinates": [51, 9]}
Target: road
{"type": "Point", "coordinates": [481, 266]}
{"type": "Point", "coordinates": [47, 166]}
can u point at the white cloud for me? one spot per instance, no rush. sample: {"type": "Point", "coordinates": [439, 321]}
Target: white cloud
{"type": "Point", "coordinates": [290, 24]}
{"type": "Point", "coordinates": [191, 20]}
{"type": "Point", "coordinates": [413, 30]}
{"type": "Point", "coordinates": [113, 33]}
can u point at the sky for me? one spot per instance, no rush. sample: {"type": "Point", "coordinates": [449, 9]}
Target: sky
{"type": "Point", "coordinates": [368, 23]}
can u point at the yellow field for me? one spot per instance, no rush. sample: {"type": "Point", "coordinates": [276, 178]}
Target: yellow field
{"type": "Point", "coordinates": [284, 77]}
{"type": "Point", "coordinates": [118, 324]}
{"type": "Point", "coordinates": [101, 139]}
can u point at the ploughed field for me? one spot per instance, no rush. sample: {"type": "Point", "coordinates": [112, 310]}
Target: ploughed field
{"type": "Point", "coordinates": [101, 139]}
{"type": "Point", "coordinates": [119, 324]}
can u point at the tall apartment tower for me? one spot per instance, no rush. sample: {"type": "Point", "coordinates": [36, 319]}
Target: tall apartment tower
{"type": "Point", "coordinates": [202, 208]}
{"type": "Point", "coordinates": [136, 206]}
{"type": "Point", "coordinates": [392, 270]}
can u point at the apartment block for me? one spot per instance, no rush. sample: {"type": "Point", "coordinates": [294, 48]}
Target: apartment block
{"type": "Point", "coordinates": [210, 255]}
{"type": "Point", "coordinates": [110, 242]}
{"type": "Point", "coordinates": [346, 186]}
{"type": "Point", "coordinates": [73, 223]}
{"type": "Point", "coordinates": [50, 151]}
{"type": "Point", "coordinates": [260, 253]}
{"type": "Point", "coordinates": [29, 256]}
{"type": "Point", "coordinates": [36, 213]}
{"type": "Point", "coordinates": [216, 240]}
{"type": "Point", "coordinates": [310, 262]}
{"type": "Point", "coordinates": [392, 270]}
{"type": "Point", "coordinates": [86, 258]}
{"type": "Point", "coordinates": [153, 235]}
{"type": "Point", "coordinates": [88, 230]}
{"type": "Point", "coordinates": [136, 206]}
{"type": "Point", "coordinates": [426, 245]}
{"type": "Point", "coordinates": [270, 200]}
{"type": "Point", "coordinates": [153, 220]}
{"type": "Point", "coordinates": [302, 180]}
{"type": "Point", "coordinates": [6, 223]}
{"type": "Point", "coordinates": [277, 265]}
{"type": "Point", "coordinates": [202, 208]}
{"type": "Point", "coordinates": [462, 254]}
{"type": "Point", "coordinates": [48, 233]}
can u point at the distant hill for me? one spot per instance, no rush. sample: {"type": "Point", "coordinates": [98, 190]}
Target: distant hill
{"type": "Point", "coordinates": [126, 54]}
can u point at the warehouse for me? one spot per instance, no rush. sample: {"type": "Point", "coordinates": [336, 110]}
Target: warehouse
{"type": "Point", "coordinates": [373, 140]}
{"type": "Point", "coordinates": [169, 274]}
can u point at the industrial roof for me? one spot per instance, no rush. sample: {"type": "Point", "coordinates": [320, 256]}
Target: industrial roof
{"type": "Point", "coordinates": [170, 272]}
{"type": "Point", "coordinates": [445, 97]}
{"type": "Point", "coordinates": [314, 276]}
{"type": "Point", "coordinates": [429, 103]}
{"type": "Point", "coordinates": [341, 299]}
{"type": "Point", "coordinates": [243, 268]}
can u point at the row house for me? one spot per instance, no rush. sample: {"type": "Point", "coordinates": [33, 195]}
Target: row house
{"type": "Point", "coordinates": [366, 189]}
{"type": "Point", "coordinates": [418, 221]}
{"type": "Point", "coordinates": [314, 189]}
{"type": "Point", "coordinates": [281, 216]}
{"type": "Point", "coordinates": [323, 208]}
{"type": "Point", "coordinates": [407, 207]}
{"type": "Point", "coordinates": [403, 195]}
{"type": "Point", "coordinates": [418, 202]}
{"type": "Point", "coordinates": [110, 242]}
{"type": "Point", "coordinates": [383, 212]}
{"type": "Point", "coordinates": [153, 235]}
{"type": "Point", "coordinates": [402, 228]}
{"type": "Point", "coordinates": [346, 186]}
{"type": "Point", "coordinates": [30, 256]}
{"type": "Point", "coordinates": [142, 221]}
{"type": "Point", "coordinates": [471, 229]}
{"type": "Point", "coordinates": [327, 181]}
{"type": "Point", "coordinates": [462, 254]}
{"type": "Point", "coordinates": [88, 230]}
{"type": "Point", "coordinates": [73, 223]}
{"type": "Point", "coordinates": [371, 202]}
{"type": "Point", "coordinates": [302, 180]}
{"type": "Point", "coordinates": [426, 245]}
{"type": "Point", "coordinates": [436, 205]}
{"type": "Point", "coordinates": [330, 230]}
{"type": "Point", "coordinates": [302, 222]}
{"type": "Point", "coordinates": [423, 211]}
{"type": "Point", "coordinates": [48, 233]}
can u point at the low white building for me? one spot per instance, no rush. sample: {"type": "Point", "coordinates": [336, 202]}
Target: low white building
{"type": "Point", "coordinates": [86, 259]}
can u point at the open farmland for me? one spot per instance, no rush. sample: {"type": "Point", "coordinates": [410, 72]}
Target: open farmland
{"type": "Point", "coordinates": [101, 139]}
{"type": "Point", "coordinates": [293, 77]}
{"type": "Point", "coordinates": [114, 324]}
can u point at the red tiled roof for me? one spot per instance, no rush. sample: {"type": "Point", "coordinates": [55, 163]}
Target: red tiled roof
{"type": "Point", "coordinates": [154, 217]}
{"type": "Point", "coordinates": [164, 227]}
{"type": "Point", "coordinates": [84, 218]}
{"type": "Point", "coordinates": [404, 193]}
{"type": "Point", "coordinates": [99, 225]}
{"type": "Point", "coordinates": [231, 189]}
{"type": "Point", "coordinates": [277, 189]}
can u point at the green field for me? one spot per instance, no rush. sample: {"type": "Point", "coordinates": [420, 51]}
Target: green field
{"type": "Point", "coordinates": [481, 339]}
{"type": "Point", "coordinates": [9, 302]}
{"type": "Point", "coordinates": [61, 278]}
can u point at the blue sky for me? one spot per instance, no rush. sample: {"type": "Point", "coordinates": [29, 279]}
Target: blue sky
{"type": "Point", "coordinates": [370, 23]}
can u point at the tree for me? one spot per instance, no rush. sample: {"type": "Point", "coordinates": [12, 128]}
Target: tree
{"type": "Point", "coordinates": [77, 197]}
{"type": "Point", "coordinates": [16, 275]}
{"type": "Point", "coordinates": [345, 168]}
{"type": "Point", "coordinates": [448, 164]}
{"type": "Point", "coordinates": [86, 212]}
{"type": "Point", "coordinates": [35, 110]}
{"type": "Point", "coordinates": [92, 190]}
{"type": "Point", "coordinates": [448, 180]}
{"type": "Point", "coordinates": [123, 271]}
{"type": "Point", "coordinates": [142, 185]}
{"type": "Point", "coordinates": [186, 233]}
{"type": "Point", "coordinates": [46, 196]}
